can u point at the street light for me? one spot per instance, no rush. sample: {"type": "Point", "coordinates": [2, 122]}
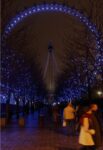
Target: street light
{"type": "Point", "coordinates": [99, 93]}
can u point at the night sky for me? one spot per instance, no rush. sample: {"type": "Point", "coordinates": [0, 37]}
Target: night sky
{"type": "Point", "coordinates": [65, 32]}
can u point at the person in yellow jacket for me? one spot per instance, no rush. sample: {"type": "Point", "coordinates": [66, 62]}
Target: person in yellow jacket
{"type": "Point", "coordinates": [69, 116]}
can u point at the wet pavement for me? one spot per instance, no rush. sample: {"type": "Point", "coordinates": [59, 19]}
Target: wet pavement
{"type": "Point", "coordinates": [32, 137]}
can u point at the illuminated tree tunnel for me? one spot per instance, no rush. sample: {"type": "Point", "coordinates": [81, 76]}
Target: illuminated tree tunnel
{"type": "Point", "coordinates": [51, 75]}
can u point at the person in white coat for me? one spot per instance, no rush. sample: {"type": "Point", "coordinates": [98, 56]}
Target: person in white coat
{"type": "Point", "coordinates": [90, 132]}
{"type": "Point", "coordinates": [86, 131]}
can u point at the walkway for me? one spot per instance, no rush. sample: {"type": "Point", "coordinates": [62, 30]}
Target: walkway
{"type": "Point", "coordinates": [33, 138]}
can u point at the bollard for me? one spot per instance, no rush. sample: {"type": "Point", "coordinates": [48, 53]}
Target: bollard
{"type": "Point", "coordinates": [41, 121]}
{"type": "Point", "coordinates": [21, 122]}
{"type": "Point", "coordinates": [2, 122]}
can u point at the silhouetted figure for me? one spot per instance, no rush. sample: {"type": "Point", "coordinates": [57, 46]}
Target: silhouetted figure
{"type": "Point", "coordinates": [55, 113]}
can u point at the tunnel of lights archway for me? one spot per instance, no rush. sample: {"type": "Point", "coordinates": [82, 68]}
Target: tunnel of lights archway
{"type": "Point", "coordinates": [55, 8]}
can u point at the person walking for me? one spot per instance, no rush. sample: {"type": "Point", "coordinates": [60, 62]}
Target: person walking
{"type": "Point", "coordinates": [69, 117]}
{"type": "Point", "coordinates": [89, 137]}
{"type": "Point", "coordinates": [55, 113]}
{"type": "Point", "coordinates": [97, 137]}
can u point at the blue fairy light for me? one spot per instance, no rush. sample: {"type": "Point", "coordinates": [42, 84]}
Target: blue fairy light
{"type": "Point", "coordinates": [83, 19]}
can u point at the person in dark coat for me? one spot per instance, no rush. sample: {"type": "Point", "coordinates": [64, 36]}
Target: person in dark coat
{"type": "Point", "coordinates": [97, 126]}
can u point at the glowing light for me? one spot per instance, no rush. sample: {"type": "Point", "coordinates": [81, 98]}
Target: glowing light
{"type": "Point", "coordinates": [9, 28]}
{"type": "Point", "coordinates": [99, 93]}
{"type": "Point", "coordinates": [47, 8]}
{"type": "Point", "coordinates": [22, 16]}
{"type": "Point", "coordinates": [34, 10]}
{"type": "Point", "coordinates": [15, 21]}
{"type": "Point", "coordinates": [38, 9]}
{"type": "Point", "coordinates": [54, 104]}
{"type": "Point", "coordinates": [25, 14]}
{"type": "Point", "coordinates": [12, 24]}
{"type": "Point", "coordinates": [30, 12]}
{"type": "Point", "coordinates": [18, 18]}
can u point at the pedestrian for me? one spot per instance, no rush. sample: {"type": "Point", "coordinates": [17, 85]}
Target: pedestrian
{"type": "Point", "coordinates": [97, 137]}
{"type": "Point", "coordinates": [69, 117]}
{"type": "Point", "coordinates": [55, 113]}
{"type": "Point", "coordinates": [89, 137]}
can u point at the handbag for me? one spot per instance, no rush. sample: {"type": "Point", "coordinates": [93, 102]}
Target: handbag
{"type": "Point", "coordinates": [64, 123]}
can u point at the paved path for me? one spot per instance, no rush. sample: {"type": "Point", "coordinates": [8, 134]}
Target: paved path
{"type": "Point", "coordinates": [33, 138]}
